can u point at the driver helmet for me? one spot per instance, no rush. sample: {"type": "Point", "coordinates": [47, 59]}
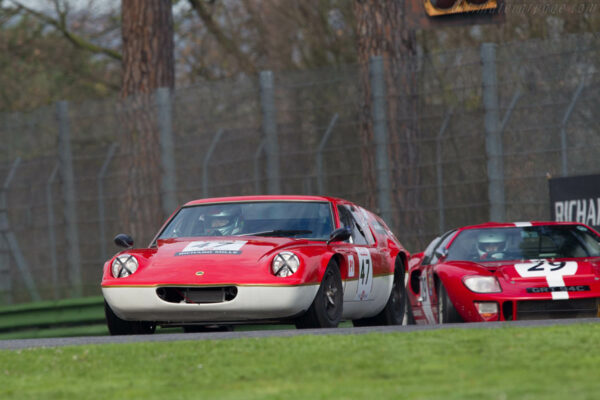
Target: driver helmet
{"type": "Point", "coordinates": [491, 242]}
{"type": "Point", "coordinates": [223, 222]}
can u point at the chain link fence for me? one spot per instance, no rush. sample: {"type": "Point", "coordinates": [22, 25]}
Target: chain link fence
{"type": "Point", "coordinates": [492, 123]}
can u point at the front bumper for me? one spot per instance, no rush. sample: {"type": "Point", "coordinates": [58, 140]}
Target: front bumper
{"type": "Point", "coordinates": [251, 303]}
{"type": "Point", "coordinates": [512, 308]}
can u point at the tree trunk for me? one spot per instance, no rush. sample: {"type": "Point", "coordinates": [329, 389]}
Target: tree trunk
{"type": "Point", "coordinates": [381, 31]}
{"type": "Point", "coordinates": [148, 63]}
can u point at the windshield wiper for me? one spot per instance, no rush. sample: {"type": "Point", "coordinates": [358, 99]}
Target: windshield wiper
{"type": "Point", "coordinates": [278, 233]}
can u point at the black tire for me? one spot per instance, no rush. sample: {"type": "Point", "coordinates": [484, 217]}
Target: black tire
{"type": "Point", "coordinates": [410, 318]}
{"type": "Point", "coordinates": [396, 307]}
{"type": "Point", "coordinates": [447, 313]}
{"type": "Point", "coordinates": [207, 328]}
{"type": "Point", "coordinates": [327, 307]}
{"type": "Point", "coordinates": [118, 326]}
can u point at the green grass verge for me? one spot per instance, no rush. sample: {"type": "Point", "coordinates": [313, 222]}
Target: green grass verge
{"type": "Point", "coordinates": [508, 363]}
{"type": "Point", "coordinates": [52, 314]}
{"type": "Point", "coordinates": [52, 304]}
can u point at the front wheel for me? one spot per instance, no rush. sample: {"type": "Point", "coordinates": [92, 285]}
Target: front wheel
{"type": "Point", "coordinates": [447, 313]}
{"type": "Point", "coordinates": [118, 326]}
{"type": "Point", "coordinates": [326, 309]}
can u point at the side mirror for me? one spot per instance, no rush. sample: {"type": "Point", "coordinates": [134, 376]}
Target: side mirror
{"type": "Point", "coordinates": [441, 253]}
{"type": "Point", "coordinates": [339, 235]}
{"type": "Point", "coordinates": [123, 240]}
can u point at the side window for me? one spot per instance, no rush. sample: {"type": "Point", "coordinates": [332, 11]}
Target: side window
{"type": "Point", "coordinates": [347, 220]}
{"type": "Point", "coordinates": [429, 251]}
{"type": "Point", "coordinates": [429, 256]}
{"type": "Point", "coordinates": [443, 243]}
{"type": "Point", "coordinates": [360, 216]}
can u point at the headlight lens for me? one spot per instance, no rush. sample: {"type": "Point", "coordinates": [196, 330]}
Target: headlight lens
{"type": "Point", "coordinates": [482, 284]}
{"type": "Point", "coordinates": [285, 264]}
{"type": "Point", "coordinates": [124, 265]}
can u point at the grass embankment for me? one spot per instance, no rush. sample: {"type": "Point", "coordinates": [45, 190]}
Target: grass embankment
{"type": "Point", "coordinates": [66, 317]}
{"type": "Point", "coordinates": [509, 363]}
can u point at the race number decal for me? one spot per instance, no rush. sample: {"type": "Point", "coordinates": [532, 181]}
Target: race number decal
{"type": "Point", "coordinates": [553, 271]}
{"type": "Point", "coordinates": [350, 266]}
{"type": "Point", "coordinates": [213, 247]}
{"type": "Point", "coordinates": [365, 273]}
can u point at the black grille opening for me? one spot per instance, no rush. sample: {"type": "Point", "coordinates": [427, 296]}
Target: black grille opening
{"type": "Point", "coordinates": [545, 309]}
{"type": "Point", "coordinates": [197, 295]}
{"type": "Point", "coordinates": [507, 310]}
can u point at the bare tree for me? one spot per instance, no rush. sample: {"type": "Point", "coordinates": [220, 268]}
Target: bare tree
{"type": "Point", "coordinates": [381, 30]}
{"type": "Point", "coordinates": [148, 63]}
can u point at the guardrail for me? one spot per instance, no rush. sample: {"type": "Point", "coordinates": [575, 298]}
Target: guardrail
{"type": "Point", "coordinates": [45, 315]}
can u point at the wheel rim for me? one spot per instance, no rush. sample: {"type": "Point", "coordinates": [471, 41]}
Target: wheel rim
{"type": "Point", "coordinates": [331, 294]}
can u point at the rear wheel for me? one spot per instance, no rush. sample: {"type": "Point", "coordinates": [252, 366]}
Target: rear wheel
{"type": "Point", "coordinates": [395, 309]}
{"type": "Point", "coordinates": [118, 326]}
{"type": "Point", "coordinates": [447, 313]}
{"type": "Point", "coordinates": [326, 309]}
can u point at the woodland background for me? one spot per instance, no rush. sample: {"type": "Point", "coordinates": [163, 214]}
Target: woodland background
{"type": "Point", "coordinates": [67, 66]}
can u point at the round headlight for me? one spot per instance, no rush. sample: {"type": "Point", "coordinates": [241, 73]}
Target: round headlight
{"type": "Point", "coordinates": [124, 265]}
{"type": "Point", "coordinates": [482, 284]}
{"type": "Point", "coordinates": [285, 264]}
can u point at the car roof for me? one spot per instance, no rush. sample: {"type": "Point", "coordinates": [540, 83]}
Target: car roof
{"type": "Point", "coordinates": [234, 199]}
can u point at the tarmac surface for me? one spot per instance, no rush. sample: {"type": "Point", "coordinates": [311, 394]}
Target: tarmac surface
{"type": "Point", "coordinates": [171, 337]}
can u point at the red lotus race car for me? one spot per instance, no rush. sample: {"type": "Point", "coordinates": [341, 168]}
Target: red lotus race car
{"type": "Point", "coordinates": [512, 271]}
{"type": "Point", "coordinates": [309, 260]}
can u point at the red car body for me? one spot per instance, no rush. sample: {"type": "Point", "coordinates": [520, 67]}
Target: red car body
{"type": "Point", "coordinates": [561, 279]}
{"type": "Point", "coordinates": [174, 285]}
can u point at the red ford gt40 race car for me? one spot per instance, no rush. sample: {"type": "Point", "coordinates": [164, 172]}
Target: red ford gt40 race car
{"type": "Point", "coordinates": [499, 272]}
{"type": "Point", "coordinates": [308, 260]}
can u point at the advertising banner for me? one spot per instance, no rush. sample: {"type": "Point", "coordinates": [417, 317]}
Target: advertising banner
{"type": "Point", "coordinates": [576, 198]}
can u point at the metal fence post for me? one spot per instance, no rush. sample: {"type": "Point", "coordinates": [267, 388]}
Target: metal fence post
{"type": "Point", "coordinates": [211, 149]}
{"type": "Point", "coordinates": [320, 177]}
{"type": "Point", "coordinates": [67, 177]}
{"type": "Point", "coordinates": [101, 217]}
{"type": "Point", "coordinates": [257, 177]}
{"type": "Point", "coordinates": [5, 276]}
{"type": "Point", "coordinates": [380, 133]}
{"type": "Point", "coordinates": [439, 173]}
{"type": "Point", "coordinates": [269, 124]}
{"type": "Point", "coordinates": [167, 151]}
{"type": "Point", "coordinates": [493, 136]}
{"type": "Point", "coordinates": [52, 232]}
{"type": "Point", "coordinates": [563, 128]}
{"type": "Point", "coordinates": [11, 239]}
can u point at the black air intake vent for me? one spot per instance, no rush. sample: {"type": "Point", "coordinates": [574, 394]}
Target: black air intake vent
{"type": "Point", "coordinates": [544, 309]}
{"type": "Point", "coordinates": [197, 295]}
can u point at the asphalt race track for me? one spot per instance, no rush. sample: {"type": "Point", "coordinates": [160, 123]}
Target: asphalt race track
{"type": "Point", "coordinates": [85, 340]}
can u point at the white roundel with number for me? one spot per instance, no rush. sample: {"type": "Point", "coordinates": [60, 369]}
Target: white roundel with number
{"type": "Point", "coordinates": [365, 273]}
{"type": "Point", "coordinates": [553, 271]}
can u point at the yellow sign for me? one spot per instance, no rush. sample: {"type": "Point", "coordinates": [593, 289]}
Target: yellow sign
{"type": "Point", "coordinates": [460, 6]}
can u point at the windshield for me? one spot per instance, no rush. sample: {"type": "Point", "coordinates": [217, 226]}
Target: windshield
{"type": "Point", "coordinates": [524, 243]}
{"type": "Point", "coordinates": [310, 220]}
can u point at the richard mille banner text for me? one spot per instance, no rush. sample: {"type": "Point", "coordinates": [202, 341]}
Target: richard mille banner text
{"type": "Point", "coordinates": [576, 198]}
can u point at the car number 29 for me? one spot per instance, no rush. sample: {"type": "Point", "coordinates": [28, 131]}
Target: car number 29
{"type": "Point", "coordinates": [365, 273]}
